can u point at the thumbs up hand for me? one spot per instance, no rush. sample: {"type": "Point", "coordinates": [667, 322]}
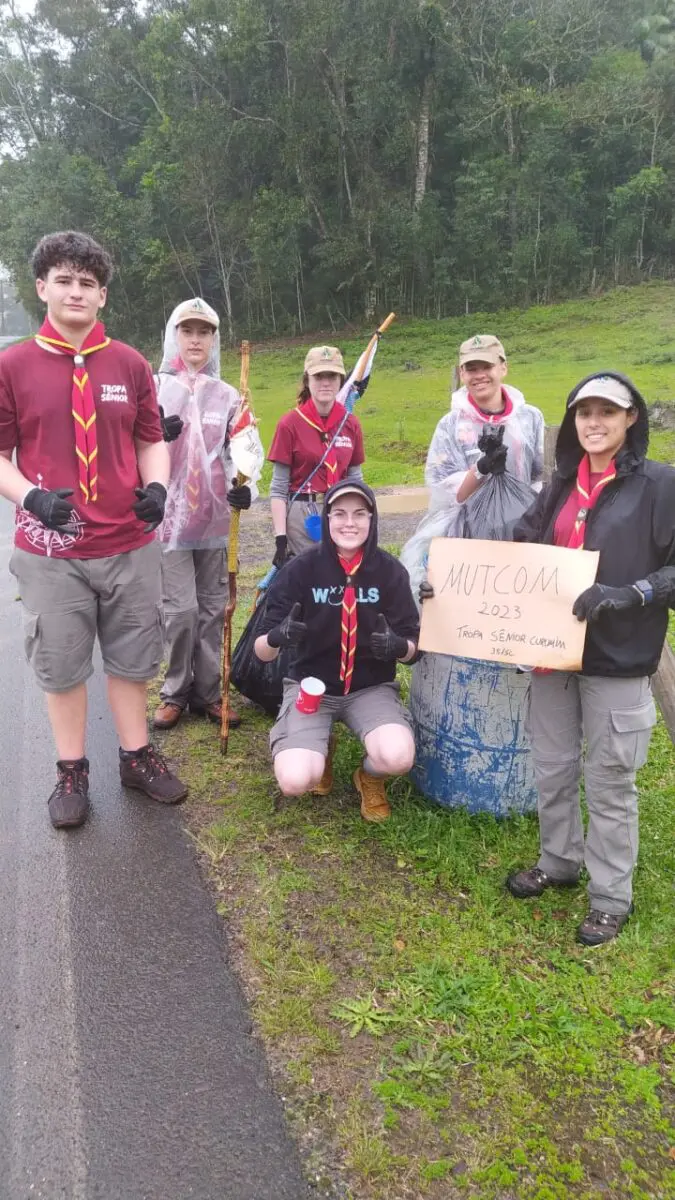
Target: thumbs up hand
{"type": "Point", "coordinates": [291, 632]}
{"type": "Point", "coordinates": [385, 644]}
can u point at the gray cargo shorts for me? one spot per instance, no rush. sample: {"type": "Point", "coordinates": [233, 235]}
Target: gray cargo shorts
{"type": "Point", "coordinates": [67, 602]}
{"type": "Point", "coordinates": [360, 711]}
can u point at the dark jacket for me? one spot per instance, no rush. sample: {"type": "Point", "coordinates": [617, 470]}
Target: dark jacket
{"type": "Point", "coordinates": [317, 579]}
{"type": "Point", "coordinates": [633, 526]}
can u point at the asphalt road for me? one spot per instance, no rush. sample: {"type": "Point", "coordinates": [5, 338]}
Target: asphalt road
{"type": "Point", "coordinates": [127, 1069]}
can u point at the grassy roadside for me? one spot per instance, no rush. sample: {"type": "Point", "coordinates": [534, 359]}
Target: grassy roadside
{"type": "Point", "coordinates": [549, 349]}
{"type": "Point", "coordinates": [431, 1036]}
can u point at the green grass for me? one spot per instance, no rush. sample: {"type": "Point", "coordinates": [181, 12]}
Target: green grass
{"type": "Point", "coordinates": [549, 349]}
{"type": "Point", "coordinates": [432, 1036]}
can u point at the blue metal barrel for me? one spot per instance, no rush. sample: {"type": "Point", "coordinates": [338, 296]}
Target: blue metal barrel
{"type": "Point", "coordinates": [472, 748]}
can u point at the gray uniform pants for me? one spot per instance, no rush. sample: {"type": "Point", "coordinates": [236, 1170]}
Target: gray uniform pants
{"type": "Point", "coordinates": [298, 538]}
{"type": "Point", "coordinates": [194, 593]}
{"type": "Point", "coordinates": [615, 718]}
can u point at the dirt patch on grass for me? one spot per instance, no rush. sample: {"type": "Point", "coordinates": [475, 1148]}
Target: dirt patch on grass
{"type": "Point", "coordinates": [256, 539]}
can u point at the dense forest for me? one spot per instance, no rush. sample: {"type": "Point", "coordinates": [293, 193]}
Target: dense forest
{"type": "Point", "coordinates": [310, 163]}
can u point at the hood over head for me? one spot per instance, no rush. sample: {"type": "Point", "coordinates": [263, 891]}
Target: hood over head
{"type": "Point", "coordinates": [353, 485]}
{"type": "Point", "coordinates": [195, 310]}
{"type": "Point", "coordinates": [568, 451]}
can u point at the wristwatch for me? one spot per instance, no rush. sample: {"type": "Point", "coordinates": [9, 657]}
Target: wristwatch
{"type": "Point", "coordinates": [644, 587]}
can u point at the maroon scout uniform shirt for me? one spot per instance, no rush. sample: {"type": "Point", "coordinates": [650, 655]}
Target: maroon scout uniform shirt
{"type": "Point", "coordinates": [299, 446]}
{"type": "Point", "coordinates": [36, 419]}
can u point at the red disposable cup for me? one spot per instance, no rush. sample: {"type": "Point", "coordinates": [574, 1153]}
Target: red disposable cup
{"type": "Point", "coordinates": [309, 696]}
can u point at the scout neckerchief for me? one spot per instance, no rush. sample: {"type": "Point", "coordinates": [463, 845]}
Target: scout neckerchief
{"type": "Point", "coordinates": [82, 400]}
{"type": "Point", "coordinates": [586, 498]}
{"type": "Point", "coordinates": [493, 418]}
{"type": "Point", "coordinates": [324, 425]}
{"type": "Point", "coordinates": [349, 619]}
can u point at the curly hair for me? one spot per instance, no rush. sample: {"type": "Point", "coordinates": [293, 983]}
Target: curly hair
{"type": "Point", "coordinates": [74, 250]}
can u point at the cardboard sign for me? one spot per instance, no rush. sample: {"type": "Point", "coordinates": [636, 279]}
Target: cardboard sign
{"type": "Point", "coordinates": [507, 601]}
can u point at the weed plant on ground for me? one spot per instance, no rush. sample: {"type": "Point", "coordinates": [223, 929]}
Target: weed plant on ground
{"type": "Point", "coordinates": [432, 1036]}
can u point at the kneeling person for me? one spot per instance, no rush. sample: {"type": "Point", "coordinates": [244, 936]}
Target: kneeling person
{"type": "Point", "coordinates": [347, 608]}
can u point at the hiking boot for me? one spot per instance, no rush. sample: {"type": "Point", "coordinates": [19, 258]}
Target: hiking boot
{"type": "Point", "coordinates": [214, 712]}
{"type": "Point", "coordinates": [146, 770]}
{"type": "Point", "coordinates": [524, 885]}
{"type": "Point", "coordinates": [374, 803]}
{"type": "Point", "coordinates": [69, 802]}
{"type": "Point", "coordinates": [600, 927]}
{"type": "Point", "coordinates": [325, 785]}
{"type": "Point", "coordinates": [167, 714]}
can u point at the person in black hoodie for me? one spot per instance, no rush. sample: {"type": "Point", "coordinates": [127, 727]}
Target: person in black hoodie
{"type": "Point", "coordinates": [604, 495]}
{"type": "Point", "coordinates": [347, 609]}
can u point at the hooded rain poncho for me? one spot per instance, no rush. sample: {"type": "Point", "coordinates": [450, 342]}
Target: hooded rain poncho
{"type": "Point", "coordinates": [453, 451]}
{"type": "Point", "coordinates": [197, 514]}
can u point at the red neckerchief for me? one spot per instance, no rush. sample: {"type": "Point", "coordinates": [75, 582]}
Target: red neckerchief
{"type": "Point", "coordinates": [349, 619]}
{"type": "Point", "coordinates": [82, 401]}
{"type": "Point", "coordinates": [586, 498]}
{"type": "Point", "coordinates": [325, 425]}
{"type": "Point", "coordinates": [493, 418]}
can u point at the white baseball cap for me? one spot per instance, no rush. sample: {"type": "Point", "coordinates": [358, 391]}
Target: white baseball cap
{"type": "Point", "coordinates": [350, 490]}
{"type": "Point", "coordinates": [605, 387]}
{"type": "Point", "coordinates": [196, 310]}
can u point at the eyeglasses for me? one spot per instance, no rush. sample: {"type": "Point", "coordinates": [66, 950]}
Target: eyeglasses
{"type": "Point", "coordinates": [339, 514]}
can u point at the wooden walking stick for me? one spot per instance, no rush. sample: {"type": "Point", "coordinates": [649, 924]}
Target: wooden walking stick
{"type": "Point", "coordinates": [239, 451]}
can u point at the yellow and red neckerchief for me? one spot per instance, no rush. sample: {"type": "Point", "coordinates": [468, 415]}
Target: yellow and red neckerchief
{"type": "Point", "coordinates": [82, 400]}
{"type": "Point", "coordinates": [349, 619]}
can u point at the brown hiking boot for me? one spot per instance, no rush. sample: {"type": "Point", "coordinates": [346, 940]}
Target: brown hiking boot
{"type": "Point", "coordinates": [532, 881]}
{"type": "Point", "coordinates": [598, 928]}
{"type": "Point", "coordinates": [167, 714]}
{"type": "Point", "coordinates": [325, 785]}
{"type": "Point", "coordinates": [146, 770]}
{"type": "Point", "coordinates": [374, 803]}
{"type": "Point", "coordinates": [214, 712]}
{"type": "Point", "coordinates": [69, 802]}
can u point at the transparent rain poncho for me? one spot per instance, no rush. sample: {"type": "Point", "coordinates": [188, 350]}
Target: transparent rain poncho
{"type": "Point", "coordinates": [197, 515]}
{"type": "Point", "coordinates": [493, 509]}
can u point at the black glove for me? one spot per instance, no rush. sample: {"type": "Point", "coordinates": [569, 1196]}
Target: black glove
{"type": "Point", "coordinates": [52, 508]}
{"type": "Point", "coordinates": [426, 591]}
{"type": "Point", "coordinates": [172, 427]}
{"type": "Point", "coordinates": [150, 505]}
{"type": "Point", "coordinates": [281, 552]}
{"type": "Point", "coordinates": [385, 644]}
{"type": "Point", "coordinates": [493, 460]}
{"type": "Point", "coordinates": [291, 631]}
{"type": "Point", "coordinates": [600, 598]}
{"type": "Point", "coordinates": [239, 496]}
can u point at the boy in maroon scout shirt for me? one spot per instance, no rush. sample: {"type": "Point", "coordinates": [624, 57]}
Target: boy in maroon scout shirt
{"type": "Point", "coordinates": [89, 484]}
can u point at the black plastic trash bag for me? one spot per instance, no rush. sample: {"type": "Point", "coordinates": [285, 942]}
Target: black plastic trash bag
{"type": "Point", "coordinates": [493, 511]}
{"type": "Point", "coordinates": [260, 682]}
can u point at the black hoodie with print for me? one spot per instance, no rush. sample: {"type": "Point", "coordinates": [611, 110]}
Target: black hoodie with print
{"type": "Point", "coordinates": [316, 579]}
{"type": "Point", "coordinates": [633, 526]}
